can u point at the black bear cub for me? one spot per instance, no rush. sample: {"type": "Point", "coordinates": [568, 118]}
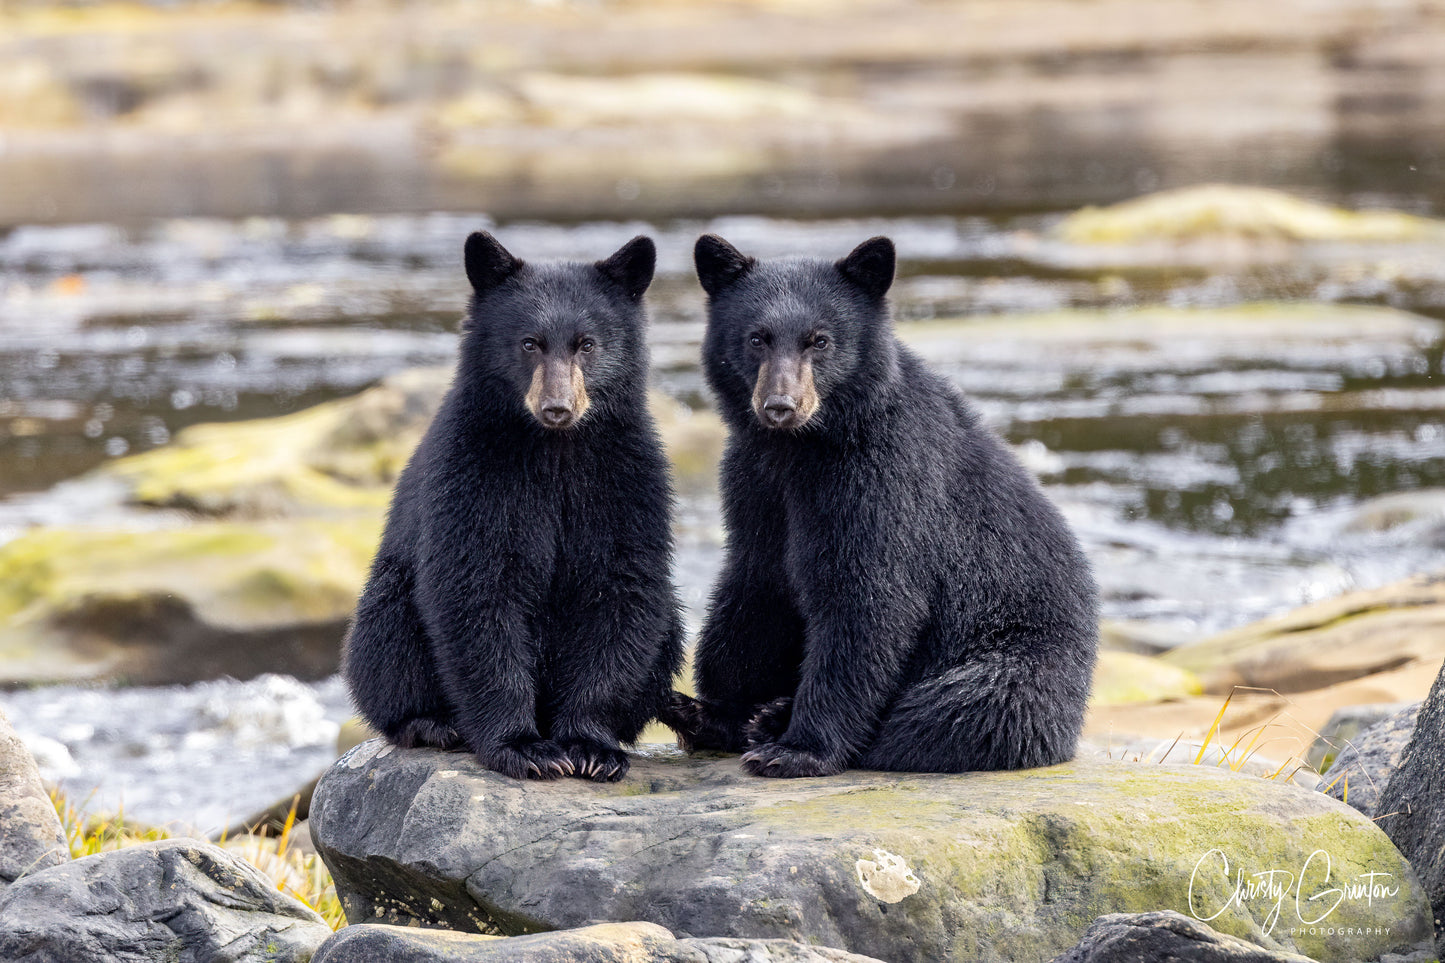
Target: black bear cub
{"type": "Point", "coordinates": [521, 603]}
{"type": "Point", "coordinates": [897, 592]}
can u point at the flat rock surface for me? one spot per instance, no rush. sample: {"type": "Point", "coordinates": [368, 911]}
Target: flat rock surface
{"type": "Point", "coordinates": [178, 899]}
{"type": "Point", "coordinates": [31, 837]}
{"type": "Point", "coordinates": [977, 867]}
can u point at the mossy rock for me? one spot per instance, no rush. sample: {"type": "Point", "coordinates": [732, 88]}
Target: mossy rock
{"type": "Point", "coordinates": [1348, 637]}
{"type": "Point", "coordinates": [178, 605]}
{"type": "Point", "coordinates": [1122, 678]}
{"type": "Point", "coordinates": [1225, 210]}
{"type": "Point", "coordinates": [342, 455]}
{"type": "Point", "coordinates": [973, 867]}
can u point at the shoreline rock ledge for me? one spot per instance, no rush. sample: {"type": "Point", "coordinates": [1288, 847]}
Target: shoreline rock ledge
{"type": "Point", "coordinates": [1010, 866]}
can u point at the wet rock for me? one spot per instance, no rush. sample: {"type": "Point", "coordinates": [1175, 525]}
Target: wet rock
{"type": "Point", "coordinates": [1124, 677]}
{"type": "Point", "coordinates": [599, 943]}
{"type": "Point", "coordinates": [1413, 516]}
{"type": "Point", "coordinates": [180, 605]}
{"type": "Point", "coordinates": [1345, 725]}
{"type": "Point", "coordinates": [1231, 211]}
{"type": "Point", "coordinates": [1412, 805]}
{"type": "Point", "coordinates": [979, 866]}
{"type": "Point", "coordinates": [1166, 935]}
{"type": "Point", "coordinates": [1354, 635]}
{"type": "Point", "coordinates": [31, 836]}
{"type": "Point", "coordinates": [175, 899]}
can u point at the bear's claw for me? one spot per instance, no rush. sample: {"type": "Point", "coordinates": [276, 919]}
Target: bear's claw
{"type": "Point", "coordinates": [529, 759]}
{"type": "Point", "coordinates": [769, 723]}
{"type": "Point", "coordinates": [783, 762]}
{"type": "Point", "coordinates": [596, 760]}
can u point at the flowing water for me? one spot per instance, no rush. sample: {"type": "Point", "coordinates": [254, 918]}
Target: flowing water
{"type": "Point", "coordinates": [1215, 475]}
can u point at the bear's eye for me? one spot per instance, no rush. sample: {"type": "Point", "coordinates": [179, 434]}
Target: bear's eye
{"type": "Point", "coordinates": [820, 342]}
{"type": "Point", "coordinates": [756, 341]}
{"type": "Point", "coordinates": [586, 346]}
{"type": "Point", "coordinates": [529, 344]}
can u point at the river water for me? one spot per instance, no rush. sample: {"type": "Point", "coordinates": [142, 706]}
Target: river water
{"type": "Point", "coordinates": [1216, 474]}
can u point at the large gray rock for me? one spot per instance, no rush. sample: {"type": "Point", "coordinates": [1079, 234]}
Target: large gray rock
{"type": "Point", "coordinates": [1364, 766]}
{"type": "Point", "coordinates": [599, 943]}
{"type": "Point", "coordinates": [31, 836]}
{"type": "Point", "coordinates": [1412, 805]}
{"type": "Point", "coordinates": [178, 899]}
{"type": "Point", "coordinates": [1166, 935]}
{"type": "Point", "coordinates": [977, 867]}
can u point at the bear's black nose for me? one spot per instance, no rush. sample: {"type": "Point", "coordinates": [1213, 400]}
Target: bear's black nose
{"type": "Point", "coordinates": [779, 411]}
{"type": "Point", "coordinates": [556, 415]}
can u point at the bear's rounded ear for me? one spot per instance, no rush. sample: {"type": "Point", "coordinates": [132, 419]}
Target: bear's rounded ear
{"type": "Point", "coordinates": [488, 263]}
{"type": "Point", "coordinates": [870, 266]}
{"type": "Point", "coordinates": [718, 263]}
{"type": "Point", "coordinates": [632, 266]}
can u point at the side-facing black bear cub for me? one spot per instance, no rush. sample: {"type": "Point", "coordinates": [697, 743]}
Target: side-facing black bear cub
{"type": "Point", "coordinates": [521, 603]}
{"type": "Point", "coordinates": [897, 592]}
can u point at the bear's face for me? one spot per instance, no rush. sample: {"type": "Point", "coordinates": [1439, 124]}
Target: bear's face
{"type": "Point", "coordinates": [787, 334]}
{"type": "Point", "coordinates": [559, 335]}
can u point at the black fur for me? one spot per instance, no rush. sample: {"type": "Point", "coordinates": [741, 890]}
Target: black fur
{"type": "Point", "coordinates": [897, 591]}
{"type": "Point", "coordinates": [521, 603]}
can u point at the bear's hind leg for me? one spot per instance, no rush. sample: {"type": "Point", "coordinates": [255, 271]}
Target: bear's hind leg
{"type": "Point", "coordinates": [414, 733]}
{"type": "Point", "coordinates": [388, 665]}
{"type": "Point", "coordinates": [993, 713]}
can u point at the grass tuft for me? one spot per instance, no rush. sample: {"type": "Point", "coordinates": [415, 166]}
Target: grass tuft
{"type": "Point", "coordinates": [295, 872]}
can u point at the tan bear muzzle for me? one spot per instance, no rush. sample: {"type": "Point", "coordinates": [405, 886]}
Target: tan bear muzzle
{"type": "Point", "coordinates": [557, 397]}
{"type": "Point", "coordinates": [784, 396]}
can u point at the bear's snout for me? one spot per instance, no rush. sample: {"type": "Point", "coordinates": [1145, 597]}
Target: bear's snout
{"type": "Point", "coordinates": [557, 397]}
{"type": "Point", "coordinates": [780, 411]}
{"type": "Point", "coordinates": [784, 396]}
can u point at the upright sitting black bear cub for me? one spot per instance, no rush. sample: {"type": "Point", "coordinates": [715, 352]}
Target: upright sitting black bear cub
{"type": "Point", "coordinates": [897, 591]}
{"type": "Point", "coordinates": [521, 603]}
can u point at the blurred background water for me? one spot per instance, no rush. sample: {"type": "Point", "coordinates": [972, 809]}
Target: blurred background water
{"type": "Point", "coordinates": [185, 239]}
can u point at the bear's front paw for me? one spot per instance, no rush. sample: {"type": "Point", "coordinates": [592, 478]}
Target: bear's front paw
{"type": "Point", "coordinates": [770, 722]}
{"type": "Point", "coordinates": [784, 762]}
{"type": "Point", "coordinates": [528, 759]}
{"type": "Point", "coordinates": [596, 760]}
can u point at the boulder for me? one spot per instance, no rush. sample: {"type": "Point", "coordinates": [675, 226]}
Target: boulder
{"type": "Point", "coordinates": [1358, 634]}
{"type": "Point", "coordinates": [599, 943]}
{"type": "Point", "coordinates": [32, 838]}
{"type": "Point", "coordinates": [178, 605]}
{"type": "Point", "coordinates": [976, 867]}
{"type": "Point", "coordinates": [1412, 804]}
{"type": "Point", "coordinates": [1166, 935]}
{"type": "Point", "coordinates": [178, 899]}
{"type": "Point", "coordinates": [1344, 726]}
